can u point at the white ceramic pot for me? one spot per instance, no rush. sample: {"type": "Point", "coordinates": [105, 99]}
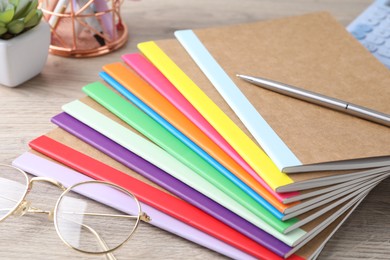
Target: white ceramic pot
{"type": "Point", "coordinates": [24, 56]}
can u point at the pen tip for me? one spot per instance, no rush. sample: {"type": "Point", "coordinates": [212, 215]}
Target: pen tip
{"type": "Point", "coordinates": [238, 75]}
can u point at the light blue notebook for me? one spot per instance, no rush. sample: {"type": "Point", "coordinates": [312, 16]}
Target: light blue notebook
{"type": "Point", "coordinates": [270, 142]}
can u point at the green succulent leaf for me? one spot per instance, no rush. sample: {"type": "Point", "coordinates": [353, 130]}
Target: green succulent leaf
{"type": "Point", "coordinates": [16, 26]}
{"type": "Point", "coordinates": [34, 20]}
{"type": "Point", "coordinates": [8, 14]}
{"type": "Point", "coordinates": [16, 16]}
{"type": "Point", "coordinates": [29, 15]}
{"type": "Point", "coordinates": [21, 8]}
{"type": "Point", "coordinates": [30, 11]}
{"type": "Point", "coordinates": [3, 30]}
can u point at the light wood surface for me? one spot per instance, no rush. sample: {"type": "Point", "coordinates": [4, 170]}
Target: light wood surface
{"type": "Point", "coordinates": [25, 113]}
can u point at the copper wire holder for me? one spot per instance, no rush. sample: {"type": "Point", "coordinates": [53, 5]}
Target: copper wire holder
{"type": "Point", "coordinates": [66, 39]}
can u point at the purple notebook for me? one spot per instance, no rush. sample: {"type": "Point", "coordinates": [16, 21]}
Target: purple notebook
{"type": "Point", "coordinates": [158, 176]}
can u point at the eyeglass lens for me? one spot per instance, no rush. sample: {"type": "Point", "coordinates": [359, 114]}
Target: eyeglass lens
{"type": "Point", "coordinates": [85, 222]}
{"type": "Point", "coordinates": [13, 187]}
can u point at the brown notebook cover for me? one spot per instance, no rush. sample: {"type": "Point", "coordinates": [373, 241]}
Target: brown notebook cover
{"type": "Point", "coordinates": [313, 52]}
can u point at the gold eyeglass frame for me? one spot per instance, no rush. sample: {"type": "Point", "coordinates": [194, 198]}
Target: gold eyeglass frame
{"type": "Point", "coordinates": [23, 206]}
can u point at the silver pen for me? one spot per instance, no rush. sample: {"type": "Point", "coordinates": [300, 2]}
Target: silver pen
{"type": "Point", "coordinates": [329, 102]}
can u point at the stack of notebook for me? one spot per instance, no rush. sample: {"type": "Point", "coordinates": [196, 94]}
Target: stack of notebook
{"type": "Point", "coordinates": [243, 171]}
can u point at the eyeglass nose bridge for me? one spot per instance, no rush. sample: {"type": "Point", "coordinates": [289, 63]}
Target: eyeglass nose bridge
{"type": "Point", "coordinates": [25, 206]}
{"type": "Point", "coordinates": [22, 209]}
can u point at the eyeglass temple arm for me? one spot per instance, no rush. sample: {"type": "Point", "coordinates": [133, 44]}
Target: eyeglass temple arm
{"type": "Point", "coordinates": [101, 241]}
{"type": "Point", "coordinates": [143, 216]}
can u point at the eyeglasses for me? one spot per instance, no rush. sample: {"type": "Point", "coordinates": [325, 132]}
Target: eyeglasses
{"type": "Point", "coordinates": [92, 217]}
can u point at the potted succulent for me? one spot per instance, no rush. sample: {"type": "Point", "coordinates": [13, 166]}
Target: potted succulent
{"type": "Point", "coordinates": [24, 41]}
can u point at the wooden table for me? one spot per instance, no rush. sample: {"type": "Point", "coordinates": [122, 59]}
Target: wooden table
{"type": "Point", "coordinates": [25, 113]}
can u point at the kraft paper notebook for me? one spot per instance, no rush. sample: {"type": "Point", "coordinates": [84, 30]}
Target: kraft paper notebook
{"type": "Point", "coordinates": [59, 146]}
{"type": "Point", "coordinates": [40, 165]}
{"type": "Point", "coordinates": [303, 120]}
{"type": "Point", "coordinates": [145, 92]}
{"type": "Point", "coordinates": [363, 90]}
